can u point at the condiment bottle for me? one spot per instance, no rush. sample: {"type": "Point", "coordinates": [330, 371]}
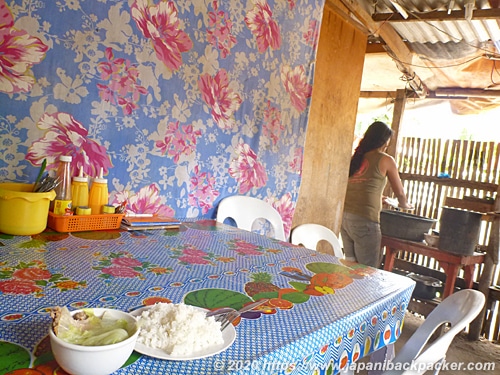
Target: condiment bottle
{"type": "Point", "coordinates": [80, 190]}
{"type": "Point", "coordinates": [98, 195]}
{"type": "Point", "coordinates": [83, 210]}
{"type": "Point", "coordinates": [108, 209]}
{"type": "Point", "coordinates": [63, 201]}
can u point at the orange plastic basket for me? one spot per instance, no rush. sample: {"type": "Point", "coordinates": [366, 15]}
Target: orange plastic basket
{"type": "Point", "coordinates": [81, 223]}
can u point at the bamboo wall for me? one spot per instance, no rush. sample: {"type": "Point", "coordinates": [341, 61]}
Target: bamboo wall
{"type": "Point", "coordinates": [434, 169]}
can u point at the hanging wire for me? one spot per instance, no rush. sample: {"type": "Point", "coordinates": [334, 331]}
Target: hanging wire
{"type": "Point", "coordinates": [453, 37]}
{"type": "Point", "coordinates": [494, 69]}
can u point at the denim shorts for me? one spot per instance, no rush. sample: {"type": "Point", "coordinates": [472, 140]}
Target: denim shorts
{"type": "Point", "coordinates": [361, 239]}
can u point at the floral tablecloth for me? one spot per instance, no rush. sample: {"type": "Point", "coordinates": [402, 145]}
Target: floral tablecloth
{"type": "Point", "coordinates": [323, 312]}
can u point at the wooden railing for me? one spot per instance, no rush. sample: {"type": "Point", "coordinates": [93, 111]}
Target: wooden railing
{"type": "Point", "coordinates": [434, 169]}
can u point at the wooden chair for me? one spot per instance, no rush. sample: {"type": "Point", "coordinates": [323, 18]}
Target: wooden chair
{"type": "Point", "coordinates": [246, 211]}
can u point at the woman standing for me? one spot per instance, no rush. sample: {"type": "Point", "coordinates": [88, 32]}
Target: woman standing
{"type": "Point", "coordinates": [369, 171]}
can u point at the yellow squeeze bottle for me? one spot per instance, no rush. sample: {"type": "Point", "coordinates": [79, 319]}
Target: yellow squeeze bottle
{"type": "Point", "coordinates": [98, 196]}
{"type": "Point", "coordinates": [80, 190]}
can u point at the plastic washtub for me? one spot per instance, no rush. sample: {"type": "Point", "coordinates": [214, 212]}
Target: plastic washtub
{"type": "Point", "coordinates": [23, 212]}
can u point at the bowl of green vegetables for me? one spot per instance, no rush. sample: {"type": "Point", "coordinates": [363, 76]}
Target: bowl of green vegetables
{"type": "Point", "coordinates": [94, 341]}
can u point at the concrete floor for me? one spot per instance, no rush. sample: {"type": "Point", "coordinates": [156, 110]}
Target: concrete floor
{"type": "Point", "coordinates": [462, 352]}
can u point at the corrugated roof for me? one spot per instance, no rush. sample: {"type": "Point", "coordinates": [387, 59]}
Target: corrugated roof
{"type": "Point", "coordinates": [475, 31]}
{"type": "Point", "coordinates": [453, 52]}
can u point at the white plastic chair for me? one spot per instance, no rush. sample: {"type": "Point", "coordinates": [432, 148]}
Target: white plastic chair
{"type": "Point", "coordinates": [309, 235]}
{"type": "Point", "coordinates": [458, 310]}
{"type": "Point", "coordinates": [246, 210]}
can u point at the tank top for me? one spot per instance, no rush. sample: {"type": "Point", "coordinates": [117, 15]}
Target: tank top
{"type": "Point", "coordinates": [365, 187]}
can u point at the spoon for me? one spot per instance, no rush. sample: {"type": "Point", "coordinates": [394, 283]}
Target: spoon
{"type": "Point", "coordinates": [47, 184]}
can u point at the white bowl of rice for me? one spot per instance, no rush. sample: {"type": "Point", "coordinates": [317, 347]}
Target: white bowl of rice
{"type": "Point", "coordinates": [180, 332]}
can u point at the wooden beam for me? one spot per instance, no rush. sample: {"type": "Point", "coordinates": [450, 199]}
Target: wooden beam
{"type": "Point", "coordinates": [448, 93]}
{"type": "Point", "coordinates": [396, 48]}
{"type": "Point", "coordinates": [455, 15]}
{"type": "Point", "coordinates": [379, 47]}
{"type": "Point", "coordinates": [377, 94]}
{"type": "Point", "coordinates": [343, 12]}
{"type": "Point", "coordinates": [440, 94]}
{"type": "Point", "coordinates": [385, 94]}
{"type": "Point", "coordinates": [375, 48]}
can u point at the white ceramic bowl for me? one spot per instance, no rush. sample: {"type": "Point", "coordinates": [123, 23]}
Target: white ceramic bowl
{"type": "Point", "coordinates": [431, 239]}
{"type": "Point", "coordinates": [95, 360]}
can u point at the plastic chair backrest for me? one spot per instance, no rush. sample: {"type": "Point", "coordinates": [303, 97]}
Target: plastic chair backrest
{"type": "Point", "coordinates": [309, 235]}
{"type": "Point", "coordinates": [458, 310]}
{"type": "Point", "coordinates": [246, 210]}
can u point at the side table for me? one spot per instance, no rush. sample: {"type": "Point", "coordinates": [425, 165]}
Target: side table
{"type": "Point", "coordinates": [450, 262]}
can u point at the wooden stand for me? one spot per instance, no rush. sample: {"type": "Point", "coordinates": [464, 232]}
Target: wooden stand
{"type": "Point", "coordinates": [450, 262]}
{"type": "Point", "coordinates": [491, 212]}
{"type": "Point", "coordinates": [491, 259]}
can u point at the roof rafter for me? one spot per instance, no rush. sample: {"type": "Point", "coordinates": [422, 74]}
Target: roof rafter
{"type": "Point", "coordinates": [395, 46]}
{"type": "Point", "coordinates": [455, 15]}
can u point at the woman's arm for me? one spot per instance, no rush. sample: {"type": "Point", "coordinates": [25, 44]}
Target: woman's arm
{"type": "Point", "coordinates": [388, 167]}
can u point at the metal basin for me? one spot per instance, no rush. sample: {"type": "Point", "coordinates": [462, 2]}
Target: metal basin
{"type": "Point", "coordinates": [404, 225]}
{"type": "Point", "coordinates": [426, 287]}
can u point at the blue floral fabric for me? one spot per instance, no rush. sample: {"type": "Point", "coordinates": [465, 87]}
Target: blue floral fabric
{"type": "Point", "coordinates": [178, 103]}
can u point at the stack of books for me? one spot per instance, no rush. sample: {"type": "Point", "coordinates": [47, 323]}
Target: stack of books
{"type": "Point", "coordinates": [146, 222]}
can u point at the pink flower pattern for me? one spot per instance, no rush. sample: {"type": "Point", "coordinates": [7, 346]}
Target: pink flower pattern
{"type": "Point", "coordinates": [266, 30]}
{"type": "Point", "coordinates": [66, 136]}
{"type": "Point", "coordinates": [160, 24]}
{"type": "Point", "coordinates": [247, 171]}
{"type": "Point", "coordinates": [19, 51]}
{"type": "Point", "coordinates": [178, 140]}
{"type": "Point", "coordinates": [146, 201]}
{"type": "Point", "coordinates": [219, 31]}
{"type": "Point", "coordinates": [244, 248]}
{"type": "Point", "coordinates": [193, 259]}
{"type": "Point", "coordinates": [285, 207]}
{"type": "Point", "coordinates": [122, 89]}
{"type": "Point", "coordinates": [202, 190]}
{"type": "Point", "coordinates": [124, 265]}
{"type": "Point", "coordinates": [118, 271]}
{"type": "Point", "coordinates": [34, 278]}
{"type": "Point", "coordinates": [296, 163]}
{"type": "Point", "coordinates": [272, 123]}
{"type": "Point", "coordinates": [126, 262]}
{"type": "Point", "coordinates": [311, 37]}
{"type": "Point", "coordinates": [295, 82]}
{"type": "Point", "coordinates": [189, 255]}
{"type": "Point", "coordinates": [215, 91]}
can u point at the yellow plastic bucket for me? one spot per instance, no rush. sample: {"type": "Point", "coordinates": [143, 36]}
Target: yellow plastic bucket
{"type": "Point", "coordinates": [23, 212]}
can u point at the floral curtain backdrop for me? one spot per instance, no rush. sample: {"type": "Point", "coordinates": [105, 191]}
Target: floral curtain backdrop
{"type": "Point", "coordinates": [181, 103]}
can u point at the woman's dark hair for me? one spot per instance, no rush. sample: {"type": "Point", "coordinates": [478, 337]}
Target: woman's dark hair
{"type": "Point", "coordinates": [375, 136]}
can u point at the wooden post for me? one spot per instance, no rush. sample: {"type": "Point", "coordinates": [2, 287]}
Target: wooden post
{"type": "Point", "coordinates": [330, 130]}
{"type": "Point", "coordinates": [397, 118]}
{"type": "Point", "coordinates": [492, 255]}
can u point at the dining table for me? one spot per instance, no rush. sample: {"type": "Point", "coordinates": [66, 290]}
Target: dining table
{"type": "Point", "coordinates": [321, 313]}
